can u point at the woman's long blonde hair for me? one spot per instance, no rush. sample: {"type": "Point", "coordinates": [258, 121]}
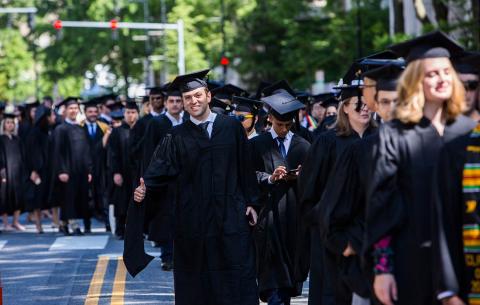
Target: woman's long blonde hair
{"type": "Point", "coordinates": [411, 99]}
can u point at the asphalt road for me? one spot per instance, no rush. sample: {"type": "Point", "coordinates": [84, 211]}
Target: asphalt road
{"type": "Point", "coordinates": [56, 270]}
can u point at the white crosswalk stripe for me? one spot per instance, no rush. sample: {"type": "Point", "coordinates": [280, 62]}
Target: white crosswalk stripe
{"type": "Point", "coordinates": [80, 243]}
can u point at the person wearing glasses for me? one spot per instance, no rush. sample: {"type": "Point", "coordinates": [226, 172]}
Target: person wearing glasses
{"type": "Point", "coordinates": [469, 76]}
{"type": "Point", "coordinates": [246, 112]}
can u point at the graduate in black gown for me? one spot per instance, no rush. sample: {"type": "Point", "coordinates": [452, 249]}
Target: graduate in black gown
{"type": "Point", "coordinates": [72, 168]}
{"type": "Point", "coordinates": [137, 135]}
{"type": "Point", "coordinates": [277, 156]}
{"type": "Point", "coordinates": [246, 112]}
{"type": "Point", "coordinates": [398, 228]}
{"type": "Point", "coordinates": [120, 168]}
{"type": "Point", "coordinates": [456, 216]}
{"type": "Point", "coordinates": [159, 206]}
{"type": "Point", "coordinates": [13, 174]}
{"type": "Point", "coordinates": [97, 133]}
{"type": "Point", "coordinates": [215, 194]}
{"type": "Point", "coordinates": [39, 162]}
{"type": "Point", "coordinates": [354, 121]}
{"type": "Point", "coordinates": [342, 219]}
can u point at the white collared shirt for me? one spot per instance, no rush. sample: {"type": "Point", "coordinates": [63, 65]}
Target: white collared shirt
{"type": "Point", "coordinates": [106, 117]}
{"type": "Point", "coordinates": [210, 120]}
{"type": "Point", "coordinates": [68, 121]}
{"type": "Point", "coordinates": [153, 113]}
{"type": "Point", "coordinates": [286, 142]}
{"type": "Point", "coordinates": [253, 134]}
{"type": "Point", "coordinates": [172, 119]}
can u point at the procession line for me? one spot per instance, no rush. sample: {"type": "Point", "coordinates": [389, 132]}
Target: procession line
{"type": "Point", "coordinates": [118, 291]}
{"type": "Point", "coordinates": [96, 283]}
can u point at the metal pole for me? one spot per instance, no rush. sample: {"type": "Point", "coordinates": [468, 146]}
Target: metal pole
{"type": "Point", "coordinates": [359, 31]}
{"type": "Point", "coordinates": [224, 44]}
{"type": "Point", "coordinates": [149, 80]}
{"type": "Point", "coordinates": [181, 48]}
{"type": "Point", "coordinates": [163, 14]}
{"type": "Point", "coordinates": [391, 18]}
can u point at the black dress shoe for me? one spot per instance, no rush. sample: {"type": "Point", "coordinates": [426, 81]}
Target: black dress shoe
{"type": "Point", "coordinates": [167, 266]}
{"type": "Point", "coordinates": [77, 232]}
{"type": "Point", "coordinates": [63, 229]}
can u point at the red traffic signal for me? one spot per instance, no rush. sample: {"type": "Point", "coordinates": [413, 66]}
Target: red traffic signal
{"type": "Point", "coordinates": [113, 24]}
{"type": "Point", "coordinates": [224, 61]}
{"type": "Point", "coordinates": [57, 25]}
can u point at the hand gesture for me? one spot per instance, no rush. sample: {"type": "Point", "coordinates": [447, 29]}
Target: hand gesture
{"type": "Point", "coordinates": [139, 194]}
{"type": "Point", "coordinates": [385, 288]}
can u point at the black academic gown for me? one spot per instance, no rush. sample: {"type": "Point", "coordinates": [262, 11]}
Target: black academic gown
{"type": "Point", "coordinates": [39, 145]}
{"type": "Point", "coordinates": [312, 255]}
{"type": "Point", "coordinates": [136, 145]}
{"type": "Point", "coordinates": [342, 218]}
{"type": "Point", "coordinates": [98, 156]}
{"type": "Point", "coordinates": [12, 192]}
{"type": "Point", "coordinates": [160, 205]}
{"type": "Point", "coordinates": [118, 151]}
{"type": "Point", "coordinates": [451, 272]}
{"type": "Point", "coordinates": [275, 234]}
{"type": "Point", "coordinates": [213, 248]}
{"type": "Point", "coordinates": [400, 198]}
{"type": "Point", "coordinates": [72, 156]}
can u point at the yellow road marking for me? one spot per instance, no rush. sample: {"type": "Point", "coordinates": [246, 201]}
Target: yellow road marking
{"type": "Point", "coordinates": [118, 292]}
{"type": "Point", "coordinates": [97, 281]}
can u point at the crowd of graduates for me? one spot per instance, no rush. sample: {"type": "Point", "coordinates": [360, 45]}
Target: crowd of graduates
{"type": "Point", "coordinates": [370, 191]}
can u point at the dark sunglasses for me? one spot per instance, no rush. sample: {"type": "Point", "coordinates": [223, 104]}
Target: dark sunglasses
{"type": "Point", "coordinates": [471, 85]}
{"type": "Point", "coordinates": [242, 117]}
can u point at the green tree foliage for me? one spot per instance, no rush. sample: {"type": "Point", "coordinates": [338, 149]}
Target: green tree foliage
{"type": "Point", "coordinates": [16, 62]}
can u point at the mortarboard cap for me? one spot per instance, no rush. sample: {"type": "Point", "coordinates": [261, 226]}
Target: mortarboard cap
{"type": "Point", "coordinates": [115, 106]}
{"type": "Point", "coordinates": [212, 84]}
{"type": "Point", "coordinates": [467, 62]}
{"type": "Point", "coordinates": [332, 101]}
{"type": "Point", "coordinates": [283, 105]}
{"type": "Point", "coordinates": [69, 101]}
{"type": "Point", "coordinates": [219, 106]}
{"type": "Point", "coordinates": [226, 92]}
{"type": "Point", "coordinates": [432, 45]}
{"type": "Point", "coordinates": [260, 87]}
{"type": "Point", "coordinates": [171, 90]}
{"type": "Point", "coordinates": [116, 115]}
{"type": "Point", "coordinates": [40, 113]}
{"type": "Point", "coordinates": [10, 114]}
{"type": "Point", "coordinates": [191, 81]}
{"type": "Point", "coordinates": [31, 104]}
{"type": "Point", "coordinates": [131, 105]}
{"type": "Point", "coordinates": [92, 103]}
{"type": "Point", "coordinates": [157, 90]}
{"type": "Point", "coordinates": [245, 104]}
{"type": "Point", "coordinates": [321, 98]}
{"type": "Point", "coordinates": [386, 77]}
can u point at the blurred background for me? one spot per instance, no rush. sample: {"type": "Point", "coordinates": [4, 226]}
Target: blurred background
{"type": "Point", "coordinates": [308, 42]}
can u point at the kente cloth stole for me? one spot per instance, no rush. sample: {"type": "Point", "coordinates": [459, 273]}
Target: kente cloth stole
{"type": "Point", "coordinates": [471, 215]}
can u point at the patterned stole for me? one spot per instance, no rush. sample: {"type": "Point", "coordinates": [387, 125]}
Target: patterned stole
{"type": "Point", "coordinates": [471, 215]}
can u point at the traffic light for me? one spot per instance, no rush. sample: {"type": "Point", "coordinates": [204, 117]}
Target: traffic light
{"type": "Point", "coordinates": [57, 25]}
{"type": "Point", "coordinates": [113, 24]}
{"type": "Point", "coordinates": [224, 61]}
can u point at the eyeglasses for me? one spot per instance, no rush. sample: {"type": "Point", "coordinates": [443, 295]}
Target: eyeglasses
{"type": "Point", "coordinates": [358, 106]}
{"type": "Point", "coordinates": [243, 117]}
{"type": "Point", "coordinates": [471, 85]}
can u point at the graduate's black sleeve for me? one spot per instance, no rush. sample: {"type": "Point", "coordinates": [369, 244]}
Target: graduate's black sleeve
{"type": "Point", "coordinates": [343, 192]}
{"type": "Point", "coordinates": [245, 166]}
{"type": "Point", "coordinates": [59, 152]}
{"type": "Point", "coordinates": [313, 176]}
{"type": "Point", "coordinates": [164, 166]}
{"type": "Point", "coordinates": [447, 243]}
{"type": "Point", "coordinates": [114, 152]}
{"type": "Point", "coordinates": [385, 209]}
